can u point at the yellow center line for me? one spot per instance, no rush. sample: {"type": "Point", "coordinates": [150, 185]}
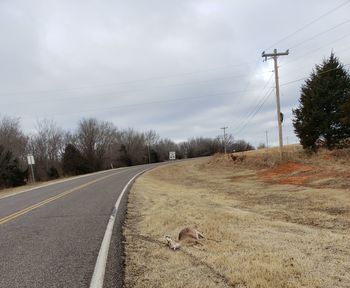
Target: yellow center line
{"type": "Point", "coordinates": [48, 200]}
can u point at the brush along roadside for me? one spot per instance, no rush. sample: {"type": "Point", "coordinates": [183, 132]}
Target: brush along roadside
{"type": "Point", "coordinates": [266, 234]}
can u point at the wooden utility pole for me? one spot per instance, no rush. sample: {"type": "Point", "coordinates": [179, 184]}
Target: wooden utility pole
{"type": "Point", "coordinates": [274, 56]}
{"type": "Point", "coordinates": [267, 141]}
{"type": "Point", "coordinates": [224, 128]}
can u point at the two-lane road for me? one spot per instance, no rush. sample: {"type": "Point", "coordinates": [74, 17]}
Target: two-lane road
{"type": "Point", "coordinates": [51, 236]}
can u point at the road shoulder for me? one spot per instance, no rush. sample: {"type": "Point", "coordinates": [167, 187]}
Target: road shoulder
{"type": "Point", "coordinates": [258, 233]}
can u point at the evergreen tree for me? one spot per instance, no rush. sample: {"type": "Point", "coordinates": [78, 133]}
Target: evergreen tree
{"type": "Point", "coordinates": [73, 161]}
{"type": "Point", "coordinates": [123, 157]}
{"type": "Point", "coordinates": [321, 110]}
{"type": "Point", "coordinates": [11, 174]}
{"type": "Point", "coordinates": [346, 112]}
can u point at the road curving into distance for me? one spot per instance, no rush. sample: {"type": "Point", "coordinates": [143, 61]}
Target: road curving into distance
{"type": "Point", "coordinates": [52, 236]}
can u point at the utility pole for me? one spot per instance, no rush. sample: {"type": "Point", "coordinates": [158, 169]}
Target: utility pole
{"type": "Point", "coordinates": [224, 128]}
{"type": "Point", "coordinates": [274, 56]}
{"type": "Point", "coordinates": [267, 141]}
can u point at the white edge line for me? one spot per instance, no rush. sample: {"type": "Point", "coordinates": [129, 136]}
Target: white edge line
{"type": "Point", "coordinates": [100, 266]}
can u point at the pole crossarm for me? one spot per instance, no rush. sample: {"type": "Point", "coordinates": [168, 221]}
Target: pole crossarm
{"type": "Point", "coordinates": [274, 54]}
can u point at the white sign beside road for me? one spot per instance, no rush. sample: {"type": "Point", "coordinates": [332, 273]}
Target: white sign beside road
{"type": "Point", "coordinates": [172, 155]}
{"type": "Point", "coordinates": [30, 159]}
{"type": "Point", "coordinates": [31, 162]}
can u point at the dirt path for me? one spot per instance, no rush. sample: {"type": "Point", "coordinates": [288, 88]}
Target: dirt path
{"type": "Point", "coordinates": [263, 233]}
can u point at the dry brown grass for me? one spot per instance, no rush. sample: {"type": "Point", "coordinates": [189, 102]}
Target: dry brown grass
{"type": "Point", "coordinates": [261, 232]}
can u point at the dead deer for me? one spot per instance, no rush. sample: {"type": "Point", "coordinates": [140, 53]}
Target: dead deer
{"type": "Point", "coordinates": [187, 237]}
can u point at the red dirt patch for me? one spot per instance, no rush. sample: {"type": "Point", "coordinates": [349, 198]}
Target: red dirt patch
{"type": "Point", "coordinates": [295, 180]}
{"type": "Point", "coordinates": [289, 173]}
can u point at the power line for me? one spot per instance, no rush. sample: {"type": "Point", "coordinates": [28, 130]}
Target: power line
{"type": "Point", "coordinates": [258, 102]}
{"type": "Point", "coordinates": [249, 82]}
{"type": "Point", "coordinates": [120, 83]}
{"type": "Point", "coordinates": [315, 50]}
{"type": "Point", "coordinates": [261, 93]}
{"type": "Point", "coordinates": [150, 88]}
{"type": "Point", "coordinates": [256, 111]}
{"type": "Point", "coordinates": [304, 78]}
{"type": "Point", "coordinates": [155, 102]}
{"type": "Point", "coordinates": [342, 50]}
{"type": "Point", "coordinates": [319, 34]}
{"type": "Point", "coordinates": [250, 116]}
{"type": "Point", "coordinates": [37, 99]}
{"type": "Point", "coordinates": [308, 24]}
{"type": "Point", "coordinates": [119, 93]}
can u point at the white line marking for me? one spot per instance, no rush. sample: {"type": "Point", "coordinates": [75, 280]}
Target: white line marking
{"type": "Point", "coordinates": [57, 182]}
{"type": "Point", "coordinates": [100, 267]}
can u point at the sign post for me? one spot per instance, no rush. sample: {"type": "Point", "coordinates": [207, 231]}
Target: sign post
{"type": "Point", "coordinates": [172, 155]}
{"type": "Point", "coordinates": [31, 162]}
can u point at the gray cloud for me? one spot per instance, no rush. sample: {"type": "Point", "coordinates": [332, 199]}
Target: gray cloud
{"type": "Point", "coordinates": [184, 68]}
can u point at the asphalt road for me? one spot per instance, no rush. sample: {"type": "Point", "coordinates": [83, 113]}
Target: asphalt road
{"type": "Point", "coordinates": [51, 236]}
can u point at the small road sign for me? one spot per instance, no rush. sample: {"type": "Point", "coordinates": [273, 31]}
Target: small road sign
{"type": "Point", "coordinates": [31, 162]}
{"type": "Point", "coordinates": [172, 155]}
{"type": "Point", "coordinates": [30, 159]}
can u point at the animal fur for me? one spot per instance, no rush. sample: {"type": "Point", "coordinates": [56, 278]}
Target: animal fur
{"type": "Point", "coordinates": [187, 237]}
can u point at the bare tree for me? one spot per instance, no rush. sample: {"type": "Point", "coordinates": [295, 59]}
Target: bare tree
{"type": "Point", "coordinates": [132, 148]}
{"type": "Point", "coordinates": [94, 139]}
{"type": "Point", "coordinates": [164, 146]}
{"type": "Point", "coordinates": [151, 138]}
{"type": "Point", "coordinates": [241, 145]}
{"type": "Point", "coordinates": [12, 138]}
{"type": "Point", "coordinates": [229, 140]}
{"type": "Point", "coordinates": [261, 146]}
{"type": "Point", "coordinates": [198, 147]}
{"type": "Point", "coordinates": [47, 146]}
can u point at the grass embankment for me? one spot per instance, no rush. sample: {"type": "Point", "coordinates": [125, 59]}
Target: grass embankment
{"type": "Point", "coordinates": [268, 224]}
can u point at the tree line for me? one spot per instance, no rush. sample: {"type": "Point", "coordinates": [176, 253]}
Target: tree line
{"type": "Point", "coordinates": [323, 116]}
{"type": "Point", "coordinates": [95, 145]}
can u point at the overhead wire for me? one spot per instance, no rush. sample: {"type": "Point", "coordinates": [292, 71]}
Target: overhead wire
{"type": "Point", "coordinates": [120, 92]}
{"type": "Point", "coordinates": [112, 108]}
{"type": "Point", "coordinates": [304, 78]}
{"type": "Point", "coordinates": [256, 110]}
{"type": "Point", "coordinates": [181, 74]}
{"type": "Point", "coordinates": [308, 24]}
{"type": "Point", "coordinates": [261, 99]}
{"type": "Point", "coordinates": [310, 52]}
{"type": "Point", "coordinates": [121, 82]}
{"type": "Point", "coordinates": [260, 104]}
{"type": "Point", "coordinates": [314, 50]}
{"type": "Point", "coordinates": [319, 34]}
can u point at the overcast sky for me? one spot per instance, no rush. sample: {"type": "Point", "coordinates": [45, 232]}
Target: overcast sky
{"type": "Point", "coordinates": [183, 68]}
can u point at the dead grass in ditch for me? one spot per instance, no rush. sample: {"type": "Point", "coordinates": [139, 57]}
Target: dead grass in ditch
{"type": "Point", "coordinates": [262, 231]}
